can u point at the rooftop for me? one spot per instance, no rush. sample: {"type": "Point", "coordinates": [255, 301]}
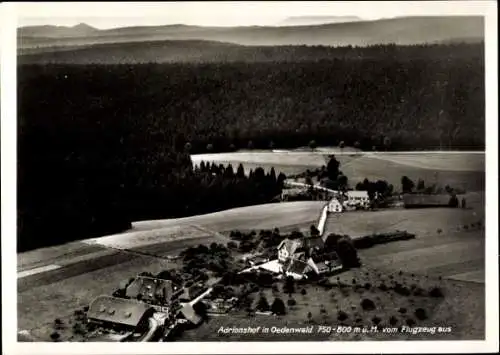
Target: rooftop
{"type": "Point", "coordinates": [118, 310]}
{"type": "Point", "coordinates": [150, 289]}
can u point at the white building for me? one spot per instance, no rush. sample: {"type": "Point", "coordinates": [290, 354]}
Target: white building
{"type": "Point", "coordinates": [335, 206]}
{"type": "Point", "coordinates": [353, 199]}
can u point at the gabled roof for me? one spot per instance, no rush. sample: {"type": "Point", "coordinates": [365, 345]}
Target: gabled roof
{"type": "Point", "coordinates": [298, 267]}
{"type": "Point", "coordinates": [290, 245]}
{"type": "Point", "coordinates": [321, 265]}
{"type": "Point", "coordinates": [118, 310]}
{"type": "Point", "coordinates": [152, 289]}
{"type": "Point", "coordinates": [357, 193]}
{"type": "Point", "coordinates": [314, 242]}
{"type": "Point", "coordinates": [189, 313]}
{"type": "Point", "coordinates": [191, 292]}
{"type": "Point", "coordinates": [335, 200]}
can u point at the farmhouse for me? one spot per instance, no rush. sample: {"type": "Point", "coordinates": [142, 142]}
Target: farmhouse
{"type": "Point", "coordinates": [356, 199]}
{"type": "Point", "coordinates": [287, 249]}
{"type": "Point", "coordinates": [113, 311]}
{"type": "Point", "coordinates": [153, 290]}
{"type": "Point", "coordinates": [298, 257]}
{"type": "Point", "coordinates": [221, 305]}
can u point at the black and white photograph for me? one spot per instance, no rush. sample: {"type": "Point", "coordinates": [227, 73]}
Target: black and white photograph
{"type": "Point", "coordinates": [250, 174]}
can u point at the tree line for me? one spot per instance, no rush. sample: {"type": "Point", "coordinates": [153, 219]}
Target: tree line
{"type": "Point", "coordinates": [69, 194]}
{"type": "Point", "coordinates": [199, 51]}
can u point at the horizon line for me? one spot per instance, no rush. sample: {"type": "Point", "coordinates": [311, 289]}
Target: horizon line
{"type": "Point", "coordinates": [361, 19]}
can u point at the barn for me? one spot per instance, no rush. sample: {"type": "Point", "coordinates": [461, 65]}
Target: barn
{"type": "Point", "coordinates": [120, 312]}
{"type": "Point", "coordinates": [424, 200]}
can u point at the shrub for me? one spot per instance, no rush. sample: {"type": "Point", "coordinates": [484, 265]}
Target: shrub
{"type": "Point", "coordinates": [58, 324]}
{"type": "Point", "coordinates": [232, 245]}
{"type": "Point", "coordinates": [303, 292]}
{"type": "Point", "coordinates": [436, 292]}
{"type": "Point", "coordinates": [439, 231]}
{"type": "Point", "coordinates": [55, 336]}
{"type": "Point", "coordinates": [418, 292]}
{"type": "Point", "coordinates": [278, 307]}
{"type": "Point", "coordinates": [410, 322]}
{"type": "Point", "coordinates": [291, 302]}
{"type": "Point", "coordinates": [342, 316]}
{"type": "Point", "coordinates": [393, 320]}
{"type": "Point", "coordinates": [78, 329]}
{"type": "Point", "coordinates": [367, 304]}
{"type": "Point", "coordinates": [383, 287]}
{"type": "Point", "coordinates": [347, 253]}
{"type": "Point", "coordinates": [120, 293]}
{"type": "Point", "coordinates": [402, 310]}
{"type": "Point", "coordinates": [263, 305]}
{"type": "Point", "coordinates": [376, 320]}
{"type": "Point", "coordinates": [421, 314]}
{"type": "Point", "coordinates": [402, 290]}
{"type": "Point", "coordinates": [309, 316]}
{"type": "Point", "coordinates": [368, 286]}
{"type": "Point", "coordinates": [289, 286]}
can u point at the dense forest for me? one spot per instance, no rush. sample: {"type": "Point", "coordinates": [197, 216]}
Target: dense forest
{"type": "Point", "coordinates": [100, 146]}
{"type": "Point", "coordinates": [196, 51]}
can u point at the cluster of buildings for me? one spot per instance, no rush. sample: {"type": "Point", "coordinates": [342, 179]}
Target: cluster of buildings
{"type": "Point", "coordinates": [300, 258]}
{"type": "Point", "coordinates": [349, 201]}
{"type": "Point", "coordinates": [150, 310]}
{"type": "Point", "coordinates": [340, 201]}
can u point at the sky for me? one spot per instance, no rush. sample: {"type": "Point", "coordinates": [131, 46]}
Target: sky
{"type": "Point", "coordinates": [243, 13]}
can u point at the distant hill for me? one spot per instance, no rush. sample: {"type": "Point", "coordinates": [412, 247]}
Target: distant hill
{"type": "Point", "coordinates": [317, 20]}
{"type": "Point", "coordinates": [54, 32]}
{"type": "Point", "coordinates": [195, 51]}
{"type": "Point", "coordinates": [401, 31]}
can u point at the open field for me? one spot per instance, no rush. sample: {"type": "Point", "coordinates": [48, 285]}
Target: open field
{"type": "Point", "coordinates": [464, 170]}
{"type": "Point", "coordinates": [443, 246]}
{"type": "Point", "coordinates": [458, 309]}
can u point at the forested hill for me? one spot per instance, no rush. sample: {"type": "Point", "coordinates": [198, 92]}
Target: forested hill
{"type": "Point", "coordinates": [417, 104]}
{"type": "Point", "coordinates": [100, 146]}
{"type": "Point", "coordinates": [401, 31]}
{"type": "Point", "coordinates": [218, 52]}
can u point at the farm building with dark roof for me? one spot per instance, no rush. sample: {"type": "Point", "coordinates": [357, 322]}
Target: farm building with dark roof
{"type": "Point", "coordinates": [424, 200]}
{"type": "Point", "coordinates": [119, 311]}
{"type": "Point", "coordinates": [153, 290]}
